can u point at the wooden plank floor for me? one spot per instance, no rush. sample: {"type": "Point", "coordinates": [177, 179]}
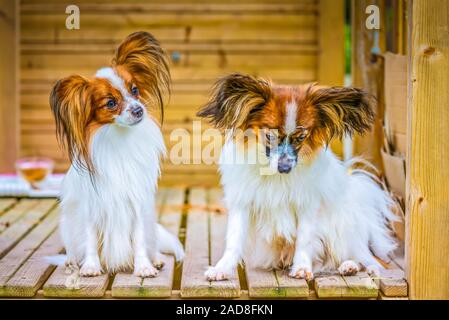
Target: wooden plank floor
{"type": "Point", "coordinates": [28, 233]}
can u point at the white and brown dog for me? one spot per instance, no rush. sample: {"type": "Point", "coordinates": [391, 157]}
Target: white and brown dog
{"type": "Point", "coordinates": [108, 219]}
{"type": "Point", "coordinates": [312, 214]}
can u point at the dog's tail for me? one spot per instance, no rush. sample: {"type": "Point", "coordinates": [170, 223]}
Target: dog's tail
{"type": "Point", "coordinates": [168, 243]}
{"type": "Point", "coordinates": [56, 260]}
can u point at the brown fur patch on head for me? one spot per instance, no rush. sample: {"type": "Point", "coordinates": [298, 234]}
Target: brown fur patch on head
{"type": "Point", "coordinates": [340, 110]}
{"type": "Point", "coordinates": [80, 106]}
{"type": "Point", "coordinates": [274, 114]}
{"type": "Point", "coordinates": [100, 92]}
{"type": "Point", "coordinates": [141, 56]}
{"type": "Point", "coordinates": [235, 99]}
{"type": "Point", "coordinates": [69, 102]}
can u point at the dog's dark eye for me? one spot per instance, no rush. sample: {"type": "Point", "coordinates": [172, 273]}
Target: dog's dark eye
{"type": "Point", "coordinates": [300, 138]}
{"type": "Point", "coordinates": [271, 137]}
{"type": "Point", "coordinates": [111, 104]}
{"type": "Point", "coordinates": [134, 91]}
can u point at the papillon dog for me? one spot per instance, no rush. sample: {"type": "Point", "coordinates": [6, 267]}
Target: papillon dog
{"type": "Point", "coordinates": [108, 219]}
{"type": "Point", "coordinates": [312, 212]}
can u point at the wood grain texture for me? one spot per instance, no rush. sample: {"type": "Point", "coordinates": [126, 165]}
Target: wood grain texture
{"type": "Point", "coordinates": [126, 285]}
{"type": "Point", "coordinates": [31, 218]}
{"type": "Point", "coordinates": [203, 248]}
{"type": "Point", "coordinates": [218, 221]}
{"type": "Point", "coordinates": [392, 283]}
{"type": "Point", "coordinates": [261, 283]}
{"type": "Point", "coordinates": [9, 85]}
{"type": "Point", "coordinates": [8, 218]}
{"type": "Point", "coordinates": [274, 284]}
{"type": "Point", "coordinates": [6, 204]}
{"type": "Point", "coordinates": [331, 56]}
{"type": "Point", "coordinates": [367, 73]}
{"type": "Point", "coordinates": [193, 282]}
{"type": "Point", "coordinates": [24, 269]}
{"type": "Point", "coordinates": [336, 286]}
{"type": "Point", "coordinates": [331, 65]}
{"type": "Point", "coordinates": [291, 288]}
{"type": "Point", "coordinates": [62, 284]}
{"type": "Point", "coordinates": [427, 215]}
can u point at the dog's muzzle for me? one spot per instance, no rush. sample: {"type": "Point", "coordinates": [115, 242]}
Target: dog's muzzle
{"type": "Point", "coordinates": [285, 155]}
{"type": "Point", "coordinates": [286, 163]}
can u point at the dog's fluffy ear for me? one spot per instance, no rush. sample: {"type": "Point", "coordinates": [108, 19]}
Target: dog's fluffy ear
{"type": "Point", "coordinates": [234, 99]}
{"type": "Point", "coordinates": [341, 110]}
{"type": "Point", "coordinates": [72, 111]}
{"type": "Point", "coordinates": [142, 56]}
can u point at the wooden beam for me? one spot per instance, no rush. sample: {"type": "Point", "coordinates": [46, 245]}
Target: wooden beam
{"type": "Point", "coordinates": [367, 73]}
{"type": "Point", "coordinates": [331, 57]}
{"type": "Point", "coordinates": [427, 245]}
{"type": "Point", "coordinates": [9, 84]}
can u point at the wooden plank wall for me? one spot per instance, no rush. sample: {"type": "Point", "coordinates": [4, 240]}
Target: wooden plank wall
{"type": "Point", "coordinates": [9, 116]}
{"type": "Point", "coordinates": [205, 39]}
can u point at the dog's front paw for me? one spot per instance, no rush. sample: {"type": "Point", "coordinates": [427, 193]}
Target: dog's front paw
{"type": "Point", "coordinates": [301, 272]}
{"type": "Point", "coordinates": [373, 271]}
{"type": "Point", "coordinates": [348, 268]}
{"type": "Point", "coordinates": [70, 266]}
{"type": "Point", "coordinates": [158, 263]}
{"type": "Point", "coordinates": [145, 270]}
{"type": "Point", "coordinates": [90, 269]}
{"type": "Point", "coordinates": [217, 274]}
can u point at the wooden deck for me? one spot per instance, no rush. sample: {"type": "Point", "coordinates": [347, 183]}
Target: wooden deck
{"type": "Point", "coordinates": [28, 232]}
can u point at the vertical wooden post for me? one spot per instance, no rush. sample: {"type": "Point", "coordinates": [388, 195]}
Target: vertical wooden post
{"type": "Point", "coordinates": [427, 245]}
{"type": "Point", "coordinates": [331, 63]}
{"type": "Point", "coordinates": [367, 74]}
{"type": "Point", "coordinates": [9, 101]}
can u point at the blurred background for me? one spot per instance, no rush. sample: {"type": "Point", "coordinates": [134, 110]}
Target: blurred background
{"type": "Point", "coordinates": [289, 42]}
{"type": "Point", "coordinates": [403, 64]}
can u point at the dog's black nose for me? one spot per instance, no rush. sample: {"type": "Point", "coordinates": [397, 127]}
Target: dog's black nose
{"type": "Point", "coordinates": [284, 168]}
{"type": "Point", "coordinates": [137, 112]}
{"type": "Point", "coordinates": [286, 163]}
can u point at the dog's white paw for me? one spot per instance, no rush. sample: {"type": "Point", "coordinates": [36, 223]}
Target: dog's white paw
{"type": "Point", "coordinates": [373, 271]}
{"type": "Point", "coordinates": [70, 266]}
{"type": "Point", "coordinates": [217, 274]}
{"type": "Point", "coordinates": [348, 268]}
{"type": "Point", "coordinates": [90, 269]}
{"type": "Point", "coordinates": [158, 263]}
{"type": "Point", "coordinates": [301, 272]}
{"type": "Point", "coordinates": [145, 270]}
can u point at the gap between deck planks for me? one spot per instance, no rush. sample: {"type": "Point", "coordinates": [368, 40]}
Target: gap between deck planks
{"type": "Point", "coordinates": [6, 203]}
{"type": "Point", "coordinates": [23, 269]}
{"type": "Point", "coordinates": [22, 218]}
{"type": "Point", "coordinates": [204, 245]}
{"type": "Point", "coordinates": [126, 285]}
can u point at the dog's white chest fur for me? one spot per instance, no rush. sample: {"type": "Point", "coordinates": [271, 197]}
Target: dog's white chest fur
{"type": "Point", "coordinates": [126, 161]}
{"type": "Point", "coordinates": [345, 212]}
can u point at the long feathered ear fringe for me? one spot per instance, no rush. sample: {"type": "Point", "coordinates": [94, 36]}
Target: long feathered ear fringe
{"type": "Point", "coordinates": [142, 56]}
{"type": "Point", "coordinates": [342, 110]}
{"type": "Point", "coordinates": [234, 98]}
{"type": "Point", "coordinates": [72, 112]}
